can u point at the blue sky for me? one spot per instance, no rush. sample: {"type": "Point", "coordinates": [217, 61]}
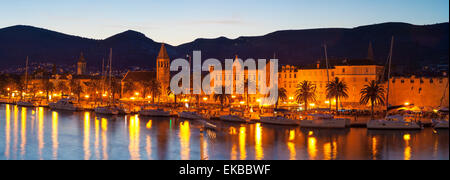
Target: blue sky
{"type": "Point", "coordinates": [180, 21]}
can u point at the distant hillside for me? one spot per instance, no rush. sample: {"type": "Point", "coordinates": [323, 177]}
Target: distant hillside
{"type": "Point", "coordinates": [414, 45]}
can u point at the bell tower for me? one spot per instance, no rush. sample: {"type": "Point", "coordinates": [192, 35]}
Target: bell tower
{"type": "Point", "coordinates": [163, 68]}
{"type": "Point", "coordinates": [81, 65]}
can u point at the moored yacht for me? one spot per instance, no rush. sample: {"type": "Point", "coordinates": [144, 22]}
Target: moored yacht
{"type": "Point", "coordinates": [189, 115]}
{"type": "Point", "coordinates": [233, 118]}
{"type": "Point", "coordinates": [395, 122]}
{"type": "Point", "coordinates": [154, 113]}
{"type": "Point", "coordinates": [64, 104]}
{"type": "Point", "coordinates": [278, 120]}
{"type": "Point", "coordinates": [27, 104]}
{"type": "Point", "coordinates": [324, 121]}
{"type": "Point", "coordinates": [107, 110]}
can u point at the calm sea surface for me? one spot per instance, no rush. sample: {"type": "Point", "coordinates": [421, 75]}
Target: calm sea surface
{"type": "Point", "coordinates": [39, 133]}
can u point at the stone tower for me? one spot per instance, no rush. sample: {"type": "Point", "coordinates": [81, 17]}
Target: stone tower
{"type": "Point", "coordinates": [81, 65]}
{"type": "Point", "coordinates": [163, 68]}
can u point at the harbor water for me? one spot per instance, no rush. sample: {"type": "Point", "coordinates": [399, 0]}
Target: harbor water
{"type": "Point", "coordinates": [40, 133]}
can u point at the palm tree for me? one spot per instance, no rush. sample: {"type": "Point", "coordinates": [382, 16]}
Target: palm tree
{"type": "Point", "coordinates": [47, 86]}
{"type": "Point", "coordinates": [169, 92]}
{"type": "Point", "coordinates": [155, 89]}
{"type": "Point", "coordinates": [75, 88]}
{"type": "Point", "coordinates": [281, 95]}
{"type": "Point", "coordinates": [62, 87]}
{"type": "Point", "coordinates": [222, 97]}
{"type": "Point", "coordinates": [337, 89]}
{"type": "Point", "coordinates": [306, 91]}
{"type": "Point", "coordinates": [373, 93]}
{"type": "Point", "coordinates": [128, 87]}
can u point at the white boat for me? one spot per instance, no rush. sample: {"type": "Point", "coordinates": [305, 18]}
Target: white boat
{"type": "Point", "coordinates": [27, 104]}
{"type": "Point", "coordinates": [106, 110]}
{"type": "Point", "coordinates": [189, 115]}
{"type": "Point", "coordinates": [395, 122]}
{"type": "Point", "coordinates": [64, 104]}
{"type": "Point", "coordinates": [208, 125]}
{"type": "Point", "coordinates": [279, 120]}
{"type": "Point", "coordinates": [123, 110]}
{"type": "Point", "coordinates": [440, 124]}
{"type": "Point", "coordinates": [324, 121]}
{"type": "Point", "coordinates": [233, 118]}
{"type": "Point", "coordinates": [154, 113]}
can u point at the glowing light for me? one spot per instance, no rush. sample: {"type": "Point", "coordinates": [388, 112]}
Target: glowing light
{"type": "Point", "coordinates": [149, 124]}
{"type": "Point", "coordinates": [242, 102]}
{"type": "Point", "coordinates": [435, 110]}
{"type": "Point", "coordinates": [232, 131]}
{"type": "Point", "coordinates": [233, 96]}
{"type": "Point", "coordinates": [406, 103]}
{"type": "Point", "coordinates": [291, 135]}
{"type": "Point", "coordinates": [291, 98]}
{"type": "Point", "coordinates": [13, 94]}
{"type": "Point", "coordinates": [50, 97]}
{"type": "Point", "coordinates": [407, 137]}
{"type": "Point", "coordinates": [327, 102]}
{"type": "Point", "coordinates": [185, 136]}
{"type": "Point", "coordinates": [8, 89]}
{"type": "Point", "coordinates": [148, 97]}
{"type": "Point", "coordinates": [186, 100]}
{"type": "Point", "coordinates": [87, 96]}
{"type": "Point", "coordinates": [242, 139]}
{"type": "Point", "coordinates": [134, 133]}
{"type": "Point", "coordinates": [136, 93]}
{"type": "Point", "coordinates": [104, 95]}
{"type": "Point", "coordinates": [312, 104]}
{"type": "Point", "coordinates": [258, 100]}
{"type": "Point", "coordinates": [310, 133]}
{"type": "Point", "coordinates": [258, 142]}
{"type": "Point", "coordinates": [40, 92]}
{"type": "Point", "coordinates": [205, 99]}
{"type": "Point", "coordinates": [312, 147]}
{"type": "Point", "coordinates": [132, 98]}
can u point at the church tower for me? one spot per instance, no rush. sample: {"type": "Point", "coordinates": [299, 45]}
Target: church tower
{"type": "Point", "coordinates": [81, 65]}
{"type": "Point", "coordinates": [163, 68]}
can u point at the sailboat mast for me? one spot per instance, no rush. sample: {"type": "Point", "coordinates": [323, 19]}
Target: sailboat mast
{"type": "Point", "coordinates": [328, 74]}
{"type": "Point", "coordinates": [389, 73]}
{"type": "Point", "coordinates": [110, 73]}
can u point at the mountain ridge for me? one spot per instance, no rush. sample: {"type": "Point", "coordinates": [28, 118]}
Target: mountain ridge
{"type": "Point", "coordinates": [414, 44]}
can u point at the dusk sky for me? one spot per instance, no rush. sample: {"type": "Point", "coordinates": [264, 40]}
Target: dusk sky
{"type": "Point", "coordinates": [180, 21]}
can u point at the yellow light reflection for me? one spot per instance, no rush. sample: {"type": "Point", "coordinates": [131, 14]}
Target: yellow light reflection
{"type": "Point", "coordinates": [8, 131]}
{"type": "Point", "coordinates": [203, 147]}
{"type": "Point", "coordinates": [292, 152]}
{"type": "Point", "coordinates": [55, 134]}
{"type": "Point", "coordinates": [407, 137]}
{"type": "Point", "coordinates": [105, 138]}
{"type": "Point", "coordinates": [374, 148]}
{"type": "Point", "coordinates": [23, 131]}
{"type": "Point", "coordinates": [97, 138]}
{"type": "Point", "coordinates": [40, 123]}
{"type": "Point", "coordinates": [149, 124]}
{"type": "Point", "coordinates": [258, 142]}
{"type": "Point", "coordinates": [148, 147]}
{"type": "Point", "coordinates": [16, 130]}
{"type": "Point", "coordinates": [242, 139]}
{"type": "Point", "coordinates": [86, 140]}
{"type": "Point", "coordinates": [312, 147]}
{"type": "Point", "coordinates": [134, 130]}
{"type": "Point", "coordinates": [291, 135]}
{"type": "Point", "coordinates": [185, 135]}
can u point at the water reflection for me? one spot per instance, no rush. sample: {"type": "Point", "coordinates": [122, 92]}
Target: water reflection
{"type": "Point", "coordinates": [134, 130]}
{"type": "Point", "coordinates": [55, 134]}
{"type": "Point", "coordinates": [185, 135]}
{"type": "Point", "coordinates": [40, 123]}
{"type": "Point", "coordinates": [86, 140]}
{"type": "Point", "coordinates": [38, 133]}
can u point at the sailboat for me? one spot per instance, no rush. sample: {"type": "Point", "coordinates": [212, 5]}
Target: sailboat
{"type": "Point", "coordinates": [393, 122]}
{"type": "Point", "coordinates": [108, 109]}
{"type": "Point", "coordinates": [24, 102]}
{"type": "Point", "coordinates": [442, 121]}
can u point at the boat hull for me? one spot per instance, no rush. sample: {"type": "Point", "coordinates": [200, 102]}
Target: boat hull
{"type": "Point", "coordinates": [106, 111]}
{"type": "Point", "coordinates": [232, 118]}
{"type": "Point", "coordinates": [279, 121]}
{"type": "Point", "coordinates": [440, 124]}
{"type": "Point", "coordinates": [325, 123]}
{"type": "Point", "coordinates": [188, 115]}
{"type": "Point", "coordinates": [154, 113]}
{"type": "Point", "coordinates": [392, 125]}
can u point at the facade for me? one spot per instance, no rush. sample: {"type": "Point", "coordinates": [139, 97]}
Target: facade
{"type": "Point", "coordinates": [81, 65]}
{"type": "Point", "coordinates": [426, 92]}
{"type": "Point", "coordinates": [355, 74]}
